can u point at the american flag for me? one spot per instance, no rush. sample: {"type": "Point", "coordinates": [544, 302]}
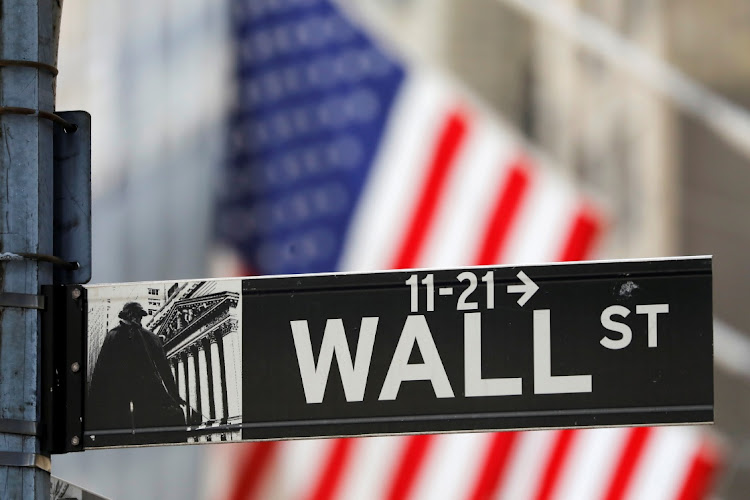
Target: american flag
{"type": "Point", "coordinates": [343, 157]}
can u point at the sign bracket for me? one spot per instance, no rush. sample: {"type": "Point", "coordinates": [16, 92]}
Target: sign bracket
{"type": "Point", "coordinates": [72, 198]}
{"type": "Point", "coordinates": [64, 368]}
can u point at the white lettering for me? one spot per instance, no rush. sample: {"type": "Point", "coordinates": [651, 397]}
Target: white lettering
{"type": "Point", "coordinates": [544, 381]}
{"type": "Point", "coordinates": [652, 310]}
{"type": "Point", "coordinates": [475, 385]}
{"type": "Point", "coordinates": [416, 330]}
{"type": "Point", "coordinates": [353, 375]}
{"type": "Point", "coordinates": [621, 328]}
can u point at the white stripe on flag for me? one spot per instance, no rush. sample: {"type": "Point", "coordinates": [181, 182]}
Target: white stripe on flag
{"type": "Point", "coordinates": [452, 459]}
{"type": "Point", "coordinates": [398, 173]}
{"type": "Point", "coordinates": [588, 471]}
{"type": "Point", "coordinates": [472, 189]}
{"type": "Point", "coordinates": [371, 467]}
{"type": "Point", "coordinates": [300, 466]}
{"type": "Point", "coordinates": [664, 465]}
{"type": "Point", "coordinates": [545, 217]}
{"type": "Point", "coordinates": [527, 460]}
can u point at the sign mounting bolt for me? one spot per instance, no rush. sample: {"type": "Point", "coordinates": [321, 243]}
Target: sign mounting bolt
{"type": "Point", "coordinates": [75, 367]}
{"type": "Point", "coordinates": [76, 293]}
{"type": "Point", "coordinates": [75, 441]}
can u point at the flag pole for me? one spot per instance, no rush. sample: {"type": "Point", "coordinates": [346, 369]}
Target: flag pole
{"type": "Point", "coordinates": [29, 31]}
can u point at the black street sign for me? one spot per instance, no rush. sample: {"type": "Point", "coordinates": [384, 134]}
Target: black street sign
{"type": "Point", "coordinates": [414, 351]}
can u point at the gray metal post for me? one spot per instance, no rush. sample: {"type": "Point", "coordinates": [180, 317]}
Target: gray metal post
{"type": "Point", "coordinates": [29, 31]}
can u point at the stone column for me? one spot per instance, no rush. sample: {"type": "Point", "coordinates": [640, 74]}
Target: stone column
{"type": "Point", "coordinates": [192, 380]}
{"type": "Point", "coordinates": [233, 373]}
{"type": "Point", "coordinates": [181, 381]}
{"type": "Point", "coordinates": [209, 378]}
{"type": "Point", "coordinates": [220, 387]}
{"type": "Point", "coordinates": [186, 396]}
{"type": "Point", "coordinates": [201, 366]}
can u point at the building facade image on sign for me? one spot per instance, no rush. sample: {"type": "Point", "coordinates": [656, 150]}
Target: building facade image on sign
{"type": "Point", "coordinates": [164, 355]}
{"type": "Point", "coordinates": [414, 351]}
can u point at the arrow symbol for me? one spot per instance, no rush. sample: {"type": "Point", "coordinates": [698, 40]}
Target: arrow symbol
{"type": "Point", "coordinates": [528, 289]}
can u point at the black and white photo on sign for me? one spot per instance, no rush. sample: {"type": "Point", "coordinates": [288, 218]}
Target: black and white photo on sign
{"type": "Point", "coordinates": [61, 490]}
{"type": "Point", "coordinates": [164, 355]}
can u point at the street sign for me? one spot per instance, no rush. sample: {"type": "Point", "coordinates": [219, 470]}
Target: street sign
{"type": "Point", "coordinates": [414, 351]}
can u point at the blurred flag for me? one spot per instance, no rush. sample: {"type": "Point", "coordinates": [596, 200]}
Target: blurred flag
{"type": "Point", "coordinates": [342, 157]}
{"type": "Point", "coordinates": [620, 463]}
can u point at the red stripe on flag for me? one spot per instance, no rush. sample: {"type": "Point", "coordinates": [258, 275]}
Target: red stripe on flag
{"type": "Point", "coordinates": [700, 474]}
{"type": "Point", "coordinates": [495, 464]}
{"type": "Point", "coordinates": [254, 462]}
{"type": "Point", "coordinates": [330, 478]}
{"type": "Point", "coordinates": [409, 466]}
{"type": "Point", "coordinates": [584, 230]}
{"type": "Point", "coordinates": [449, 141]}
{"type": "Point", "coordinates": [631, 455]}
{"type": "Point", "coordinates": [559, 455]}
{"type": "Point", "coordinates": [515, 186]}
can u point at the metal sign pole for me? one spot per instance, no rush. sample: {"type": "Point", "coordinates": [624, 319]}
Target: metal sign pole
{"type": "Point", "coordinates": [29, 32]}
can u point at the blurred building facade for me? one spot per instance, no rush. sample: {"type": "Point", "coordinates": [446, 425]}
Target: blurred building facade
{"type": "Point", "coordinates": [155, 77]}
{"type": "Point", "coordinates": [711, 42]}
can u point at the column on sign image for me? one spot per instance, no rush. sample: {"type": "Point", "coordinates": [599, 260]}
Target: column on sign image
{"type": "Point", "coordinates": [186, 379]}
{"type": "Point", "coordinates": [175, 365]}
{"type": "Point", "coordinates": [202, 367]}
{"type": "Point", "coordinates": [206, 343]}
{"type": "Point", "coordinates": [179, 375]}
{"type": "Point", "coordinates": [220, 387]}
{"type": "Point", "coordinates": [195, 385]}
{"type": "Point", "coordinates": [232, 353]}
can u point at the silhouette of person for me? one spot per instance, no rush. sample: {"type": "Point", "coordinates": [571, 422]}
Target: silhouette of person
{"type": "Point", "coordinates": [132, 387]}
